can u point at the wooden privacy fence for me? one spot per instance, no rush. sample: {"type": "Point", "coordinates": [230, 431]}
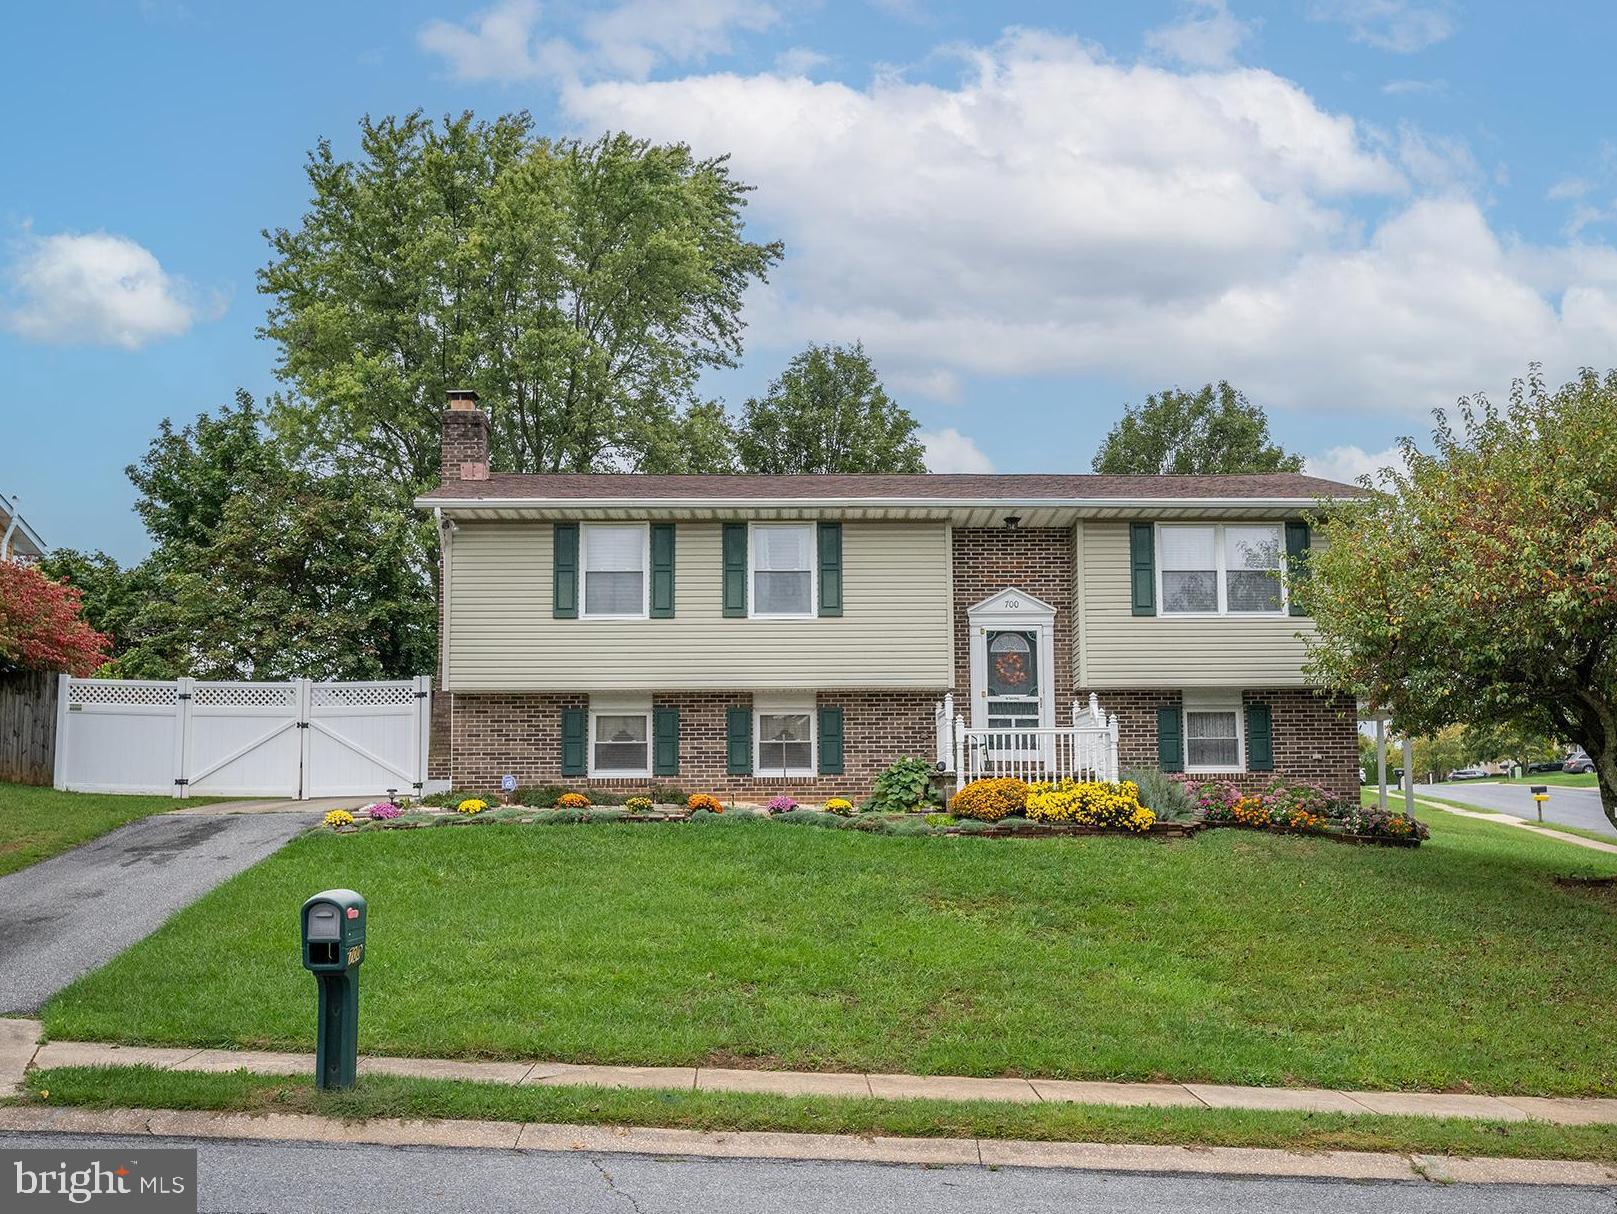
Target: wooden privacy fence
{"type": "Point", "coordinates": [27, 727]}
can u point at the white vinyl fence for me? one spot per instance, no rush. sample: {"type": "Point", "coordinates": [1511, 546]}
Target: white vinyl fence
{"type": "Point", "coordinates": [191, 738]}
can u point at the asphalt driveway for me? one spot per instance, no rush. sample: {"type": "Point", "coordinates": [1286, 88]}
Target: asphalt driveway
{"type": "Point", "coordinates": [1569, 806]}
{"type": "Point", "coordinates": [64, 916]}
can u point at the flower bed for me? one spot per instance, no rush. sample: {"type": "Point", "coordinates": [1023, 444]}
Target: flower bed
{"type": "Point", "coordinates": [1301, 808]}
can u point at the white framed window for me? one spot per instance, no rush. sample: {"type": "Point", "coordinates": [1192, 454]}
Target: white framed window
{"type": "Point", "coordinates": [620, 736]}
{"type": "Point", "coordinates": [1221, 569]}
{"type": "Point", "coordinates": [781, 570]}
{"type": "Point", "coordinates": [783, 736]}
{"type": "Point", "coordinates": [1214, 739]}
{"type": "Point", "coordinates": [614, 559]}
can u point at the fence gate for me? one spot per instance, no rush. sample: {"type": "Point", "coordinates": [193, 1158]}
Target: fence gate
{"type": "Point", "coordinates": [293, 739]}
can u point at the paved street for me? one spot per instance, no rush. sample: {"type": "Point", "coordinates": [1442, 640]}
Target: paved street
{"type": "Point", "coordinates": [1568, 806]}
{"type": "Point", "coordinates": [66, 915]}
{"type": "Point", "coordinates": [347, 1179]}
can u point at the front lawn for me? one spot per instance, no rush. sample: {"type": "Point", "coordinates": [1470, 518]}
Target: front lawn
{"type": "Point", "coordinates": [36, 823]}
{"type": "Point", "coordinates": [1233, 957]}
{"type": "Point", "coordinates": [1563, 779]}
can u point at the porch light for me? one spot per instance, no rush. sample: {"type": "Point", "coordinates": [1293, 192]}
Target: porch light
{"type": "Point", "coordinates": [1013, 521]}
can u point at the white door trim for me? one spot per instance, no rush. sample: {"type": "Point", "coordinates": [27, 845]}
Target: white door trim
{"type": "Point", "coordinates": [1012, 610]}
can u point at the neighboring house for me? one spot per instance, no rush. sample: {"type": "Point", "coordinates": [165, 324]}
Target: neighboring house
{"type": "Point", "coordinates": [18, 541]}
{"type": "Point", "coordinates": [749, 635]}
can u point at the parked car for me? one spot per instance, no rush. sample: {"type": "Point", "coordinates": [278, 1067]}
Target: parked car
{"type": "Point", "coordinates": [1551, 765]}
{"type": "Point", "coordinates": [1468, 773]}
{"type": "Point", "coordinates": [1578, 764]}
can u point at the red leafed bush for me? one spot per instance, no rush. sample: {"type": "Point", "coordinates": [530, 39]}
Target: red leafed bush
{"type": "Point", "coordinates": [40, 625]}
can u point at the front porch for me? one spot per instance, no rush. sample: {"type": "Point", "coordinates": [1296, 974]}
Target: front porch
{"type": "Point", "coordinates": [1085, 750]}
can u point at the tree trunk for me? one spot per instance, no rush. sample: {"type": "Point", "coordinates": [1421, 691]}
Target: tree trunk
{"type": "Point", "coordinates": [1605, 761]}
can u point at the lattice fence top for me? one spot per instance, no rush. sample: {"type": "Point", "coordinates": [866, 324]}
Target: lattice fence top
{"type": "Point", "coordinates": [96, 691]}
{"type": "Point", "coordinates": [361, 695]}
{"type": "Point", "coordinates": [244, 695]}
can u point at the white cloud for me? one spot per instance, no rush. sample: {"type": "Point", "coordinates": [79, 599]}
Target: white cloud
{"type": "Point", "coordinates": [1057, 212]}
{"type": "Point", "coordinates": [95, 289]}
{"type": "Point", "coordinates": [1207, 34]}
{"type": "Point", "coordinates": [799, 61]}
{"type": "Point", "coordinates": [627, 40]}
{"type": "Point", "coordinates": [948, 450]}
{"type": "Point", "coordinates": [1400, 26]}
{"type": "Point", "coordinates": [1401, 88]}
{"type": "Point", "coordinates": [937, 384]}
{"type": "Point", "coordinates": [1347, 464]}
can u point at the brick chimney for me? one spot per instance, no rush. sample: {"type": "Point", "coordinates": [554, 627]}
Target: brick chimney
{"type": "Point", "coordinates": [465, 442]}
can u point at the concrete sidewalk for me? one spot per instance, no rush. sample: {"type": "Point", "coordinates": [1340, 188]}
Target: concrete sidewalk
{"type": "Point", "coordinates": [1562, 1110]}
{"type": "Point", "coordinates": [1356, 1166]}
{"type": "Point", "coordinates": [271, 805]}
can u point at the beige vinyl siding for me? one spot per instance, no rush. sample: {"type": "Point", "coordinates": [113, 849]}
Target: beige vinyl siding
{"type": "Point", "coordinates": [894, 631]}
{"type": "Point", "coordinates": [1120, 649]}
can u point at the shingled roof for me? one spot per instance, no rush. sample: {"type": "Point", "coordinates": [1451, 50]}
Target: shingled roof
{"type": "Point", "coordinates": [939, 487]}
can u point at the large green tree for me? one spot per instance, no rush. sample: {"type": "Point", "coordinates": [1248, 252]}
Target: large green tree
{"type": "Point", "coordinates": [828, 412]}
{"type": "Point", "coordinates": [1478, 584]}
{"type": "Point", "coordinates": [1214, 429]}
{"type": "Point", "coordinates": [580, 287]}
{"type": "Point", "coordinates": [263, 566]}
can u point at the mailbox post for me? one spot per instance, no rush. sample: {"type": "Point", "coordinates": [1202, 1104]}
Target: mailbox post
{"type": "Point", "coordinates": [1541, 794]}
{"type": "Point", "coordinates": [333, 929]}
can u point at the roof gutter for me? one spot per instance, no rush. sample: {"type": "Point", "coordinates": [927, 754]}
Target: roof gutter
{"type": "Point", "coordinates": [940, 503]}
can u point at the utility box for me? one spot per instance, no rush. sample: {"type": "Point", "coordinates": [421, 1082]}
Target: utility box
{"type": "Point", "coordinates": [332, 927]}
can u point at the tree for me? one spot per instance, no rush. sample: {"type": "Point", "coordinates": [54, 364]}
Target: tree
{"type": "Point", "coordinates": [1479, 584]}
{"type": "Point", "coordinates": [580, 288]}
{"type": "Point", "coordinates": [40, 624]}
{"type": "Point", "coordinates": [1212, 430]}
{"type": "Point", "coordinates": [263, 567]}
{"type": "Point", "coordinates": [828, 412]}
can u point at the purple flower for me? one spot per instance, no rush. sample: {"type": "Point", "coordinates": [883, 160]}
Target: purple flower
{"type": "Point", "coordinates": [383, 809]}
{"type": "Point", "coordinates": [781, 805]}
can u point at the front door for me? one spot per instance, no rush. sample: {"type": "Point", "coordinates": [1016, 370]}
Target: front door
{"type": "Point", "coordinates": [1015, 699]}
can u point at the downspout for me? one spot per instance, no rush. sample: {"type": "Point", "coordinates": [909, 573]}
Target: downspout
{"type": "Point", "coordinates": [444, 529]}
{"type": "Point", "coordinates": [11, 529]}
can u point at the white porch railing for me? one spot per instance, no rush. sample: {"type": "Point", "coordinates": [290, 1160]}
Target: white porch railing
{"type": "Point", "coordinates": [1087, 750]}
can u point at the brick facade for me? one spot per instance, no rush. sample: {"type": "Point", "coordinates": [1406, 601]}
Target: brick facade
{"type": "Point", "coordinates": [1315, 735]}
{"type": "Point", "coordinates": [1036, 560]}
{"type": "Point", "coordinates": [495, 734]}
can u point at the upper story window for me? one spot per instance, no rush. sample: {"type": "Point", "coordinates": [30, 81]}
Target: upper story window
{"type": "Point", "coordinates": [1221, 569]}
{"type": "Point", "coordinates": [782, 569]}
{"type": "Point", "coordinates": [614, 563]}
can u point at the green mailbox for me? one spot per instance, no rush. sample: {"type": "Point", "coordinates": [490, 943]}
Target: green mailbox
{"type": "Point", "coordinates": [332, 925]}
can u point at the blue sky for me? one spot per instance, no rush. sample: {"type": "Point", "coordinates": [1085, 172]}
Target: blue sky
{"type": "Point", "coordinates": [1030, 213]}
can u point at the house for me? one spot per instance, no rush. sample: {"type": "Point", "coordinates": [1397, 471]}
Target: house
{"type": "Point", "coordinates": [751, 635]}
{"type": "Point", "coordinates": [18, 541]}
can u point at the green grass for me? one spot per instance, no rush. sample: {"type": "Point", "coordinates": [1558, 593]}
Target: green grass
{"type": "Point", "coordinates": [387, 1096]}
{"type": "Point", "coordinates": [1566, 779]}
{"type": "Point", "coordinates": [1526, 814]}
{"type": "Point", "coordinates": [1232, 957]}
{"type": "Point", "coordinates": [36, 823]}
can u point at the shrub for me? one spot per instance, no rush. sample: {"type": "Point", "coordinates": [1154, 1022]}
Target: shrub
{"type": "Point", "coordinates": [811, 817]}
{"type": "Point", "coordinates": [704, 802]}
{"type": "Point", "coordinates": [1360, 820]}
{"type": "Point", "coordinates": [638, 805]}
{"type": "Point", "coordinates": [1090, 803]}
{"type": "Point", "coordinates": [840, 806]}
{"type": "Point", "coordinates": [472, 805]}
{"type": "Point", "coordinates": [382, 810]}
{"type": "Point", "coordinates": [450, 799]}
{"type": "Point", "coordinates": [338, 817]}
{"type": "Point", "coordinates": [672, 794]}
{"type": "Point", "coordinates": [1215, 799]}
{"type": "Point", "coordinates": [903, 788]}
{"type": "Point", "coordinates": [572, 800]}
{"type": "Point", "coordinates": [781, 805]}
{"type": "Point", "coordinates": [1164, 795]}
{"type": "Point", "coordinates": [989, 800]}
{"type": "Point", "coordinates": [542, 796]}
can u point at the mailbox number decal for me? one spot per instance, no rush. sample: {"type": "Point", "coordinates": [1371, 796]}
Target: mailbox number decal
{"type": "Point", "coordinates": [353, 912]}
{"type": "Point", "coordinates": [355, 953]}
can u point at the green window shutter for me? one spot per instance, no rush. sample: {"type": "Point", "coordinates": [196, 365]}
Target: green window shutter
{"type": "Point", "coordinates": [1143, 568]}
{"type": "Point", "coordinates": [662, 571]}
{"type": "Point", "coordinates": [665, 741]}
{"type": "Point", "coordinates": [1170, 739]}
{"type": "Point", "coordinates": [565, 565]}
{"type": "Point", "coordinates": [831, 741]}
{"type": "Point", "coordinates": [830, 538]}
{"type": "Point", "coordinates": [1260, 746]}
{"type": "Point", "coordinates": [738, 741]}
{"type": "Point", "coordinates": [735, 570]}
{"type": "Point", "coordinates": [575, 726]}
{"type": "Point", "coordinates": [1298, 542]}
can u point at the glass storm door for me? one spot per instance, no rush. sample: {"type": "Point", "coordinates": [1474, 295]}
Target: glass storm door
{"type": "Point", "coordinates": [1014, 699]}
